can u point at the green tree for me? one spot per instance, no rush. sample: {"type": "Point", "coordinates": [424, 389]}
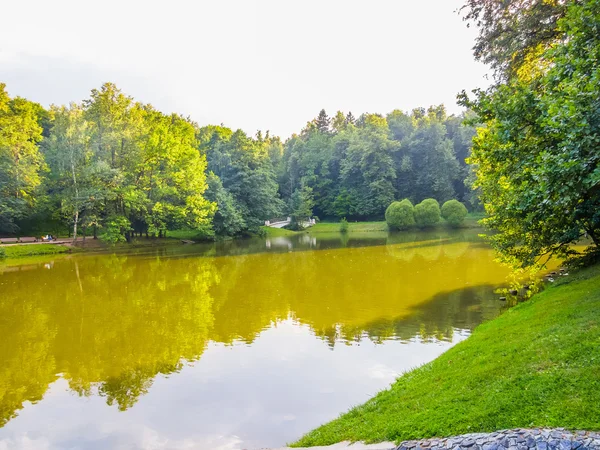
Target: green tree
{"type": "Point", "coordinates": [302, 203]}
{"type": "Point", "coordinates": [68, 154]}
{"type": "Point", "coordinates": [245, 170]}
{"type": "Point", "coordinates": [426, 163]}
{"type": "Point", "coordinates": [537, 159]}
{"type": "Point", "coordinates": [427, 213]}
{"type": "Point", "coordinates": [512, 32]}
{"type": "Point", "coordinates": [228, 220]}
{"type": "Point", "coordinates": [21, 162]}
{"type": "Point", "coordinates": [400, 215]}
{"type": "Point", "coordinates": [454, 212]}
{"type": "Point", "coordinates": [323, 122]}
{"type": "Point", "coordinates": [367, 172]}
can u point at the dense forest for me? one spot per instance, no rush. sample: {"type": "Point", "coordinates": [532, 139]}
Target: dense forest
{"type": "Point", "coordinates": [114, 168]}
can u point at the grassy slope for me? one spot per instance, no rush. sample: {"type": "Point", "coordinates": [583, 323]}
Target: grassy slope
{"type": "Point", "coordinates": [536, 365]}
{"type": "Point", "coordinates": [19, 251]}
{"type": "Point", "coordinates": [276, 232]}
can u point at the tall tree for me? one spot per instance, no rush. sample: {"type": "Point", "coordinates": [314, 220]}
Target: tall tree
{"type": "Point", "coordinates": [245, 170]}
{"type": "Point", "coordinates": [323, 122]}
{"type": "Point", "coordinates": [21, 163]}
{"type": "Point", "coordinates": [537, 159]}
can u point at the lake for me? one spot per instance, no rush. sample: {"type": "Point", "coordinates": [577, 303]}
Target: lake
{"type": "Point", "coordinates": [240, 344]}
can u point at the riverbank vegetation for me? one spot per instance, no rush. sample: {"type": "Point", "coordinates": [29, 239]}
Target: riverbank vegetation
{"type": "Point", "coordinates": [114, 168]}
{"type": "Point", "coordinates": [536, 365]}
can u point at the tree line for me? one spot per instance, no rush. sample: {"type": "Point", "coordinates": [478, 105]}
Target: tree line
{"type": "Point", "coordinates": [114, 168]}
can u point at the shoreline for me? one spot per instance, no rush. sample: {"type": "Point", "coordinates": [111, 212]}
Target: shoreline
{"type": "Point", "coordinates": [538, 364]}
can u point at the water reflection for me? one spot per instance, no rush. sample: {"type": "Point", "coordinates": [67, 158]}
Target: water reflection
{"type": "Point", "coordinates": [108, 325]}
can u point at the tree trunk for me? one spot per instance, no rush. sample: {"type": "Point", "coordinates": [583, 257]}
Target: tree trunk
{"type": "Point", "coordinates": [75, 203]}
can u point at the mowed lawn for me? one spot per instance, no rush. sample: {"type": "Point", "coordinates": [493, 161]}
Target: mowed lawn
{"type": "Point", "coordinates": [19, 251]}
{"type": "Point", "coordinates": [536, 365]}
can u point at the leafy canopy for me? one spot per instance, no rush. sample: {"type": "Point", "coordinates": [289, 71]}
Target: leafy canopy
{"type": "Point", "coordinates": [536, 161]}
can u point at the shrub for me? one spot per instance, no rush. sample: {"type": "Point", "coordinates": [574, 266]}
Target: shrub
{"type": "Point", "coordinates": [427, 213]}
{"type": "Point", "coordinates": [343, 225]}
{"type": "Point", "coordinates": [400, 215]}
{"type": "Point", "coordinates": [2, 253]}
{"type": "Point", "coordinates": [454, 212]}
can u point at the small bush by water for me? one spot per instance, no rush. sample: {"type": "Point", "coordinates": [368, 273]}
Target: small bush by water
{"type": "Point", "coordinates": [400, 215]}
{"type": "Point", "coordinates": [427, 213]}
{"type": "Point", "coordinates": [536, 365]}
{"type": "Point", "coordinates": [454, 212]}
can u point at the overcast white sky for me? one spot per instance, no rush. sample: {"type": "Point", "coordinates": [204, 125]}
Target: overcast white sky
{"type": "Point", "coordinates": [263, 64]}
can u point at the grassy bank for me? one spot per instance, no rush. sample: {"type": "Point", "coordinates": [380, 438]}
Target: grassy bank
{"type": "Point", "coordinates": [276, 232]}
{"type": "Point", "coordinates": [20, 251]}
{"type": "Point", "coordinates": [536, 365]}
{"type": "Point", "coordinates": [471, 221]}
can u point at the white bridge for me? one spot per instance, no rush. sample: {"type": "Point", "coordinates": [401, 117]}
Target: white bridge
{"type": "Point", "coordinates": [280, 222]}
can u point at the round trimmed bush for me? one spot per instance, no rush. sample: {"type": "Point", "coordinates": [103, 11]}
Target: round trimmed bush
{"type": "Point", "coordinates": [454, 212]}
{"type": "Point", "coordinates": [427, 213]}
{"type": "Point", "coordinates": [400, 215]}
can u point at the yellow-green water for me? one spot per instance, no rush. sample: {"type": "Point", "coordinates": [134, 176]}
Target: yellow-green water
{"type": "Point", "coordinates": [232, 345]}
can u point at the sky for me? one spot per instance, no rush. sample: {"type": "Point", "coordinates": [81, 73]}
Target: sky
{"type": "Point", "coordinates": [255, 65]}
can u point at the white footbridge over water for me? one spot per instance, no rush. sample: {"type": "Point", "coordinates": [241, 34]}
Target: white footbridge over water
{"type": "Point", "coordinates": [281, 222]}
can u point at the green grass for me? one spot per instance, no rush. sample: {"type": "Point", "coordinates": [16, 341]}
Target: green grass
{"type": "Point", "coordinates": [329, 227]}
{"type": "Point", "coordinates": [275, 232]}
{"type": "Point", "coordinates": [192, 235]}
{"type": "Point", "coordinates": [471, 221]}
{"type": "Point", "coordinates": [536, 365]}
{"type": "Point", "coordinates": [20, 251]}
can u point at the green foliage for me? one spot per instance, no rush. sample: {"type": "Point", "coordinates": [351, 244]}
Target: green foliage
{"type": "Point", "coordinates": [243, 165]}
{"type": "Point", "coordinates": [400, 215]}
{"type": "Point", "coordinates": [115, 229]}
{"type": "Point", "coordinates": [511, 31]}
{"type": "Point", "coordinates": [537, 160]}
{"type": "Point", "coordinates": [537, 365]}
{"type": "Point", "coordinates": [21, 163]}
{"type": "Point", "coordinates": [357, 168]}
{"type": "Point", "coordinates": [2, 253]}
{"type": "Point", "coordinates": [125, 167]}
{"type": "Point", "coordinates": [228, 220]}
{"type": "Point", "coordinates": [427, 213]}
{"type": "Point", "coordinates": [344, 225]}
{"type": "Point", "coordinates": [454, 212]}
{"type": "Point", "coordinates": [301, 204]}
{"type": "Point", "coordinates": [110, 157]}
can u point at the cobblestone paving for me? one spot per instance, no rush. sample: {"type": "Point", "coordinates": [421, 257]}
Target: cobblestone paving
{"type": "Point", "coordinates": [517, 439]}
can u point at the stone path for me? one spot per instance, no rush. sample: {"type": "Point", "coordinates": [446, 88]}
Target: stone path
{"type": "Point", "coordinates": [346, 445]}
{"type": "Point", "coordinates": [517, 439]}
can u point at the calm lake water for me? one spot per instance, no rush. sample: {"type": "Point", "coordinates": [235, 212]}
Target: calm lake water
{"type": "Point", "coordinates": [232, 345]}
